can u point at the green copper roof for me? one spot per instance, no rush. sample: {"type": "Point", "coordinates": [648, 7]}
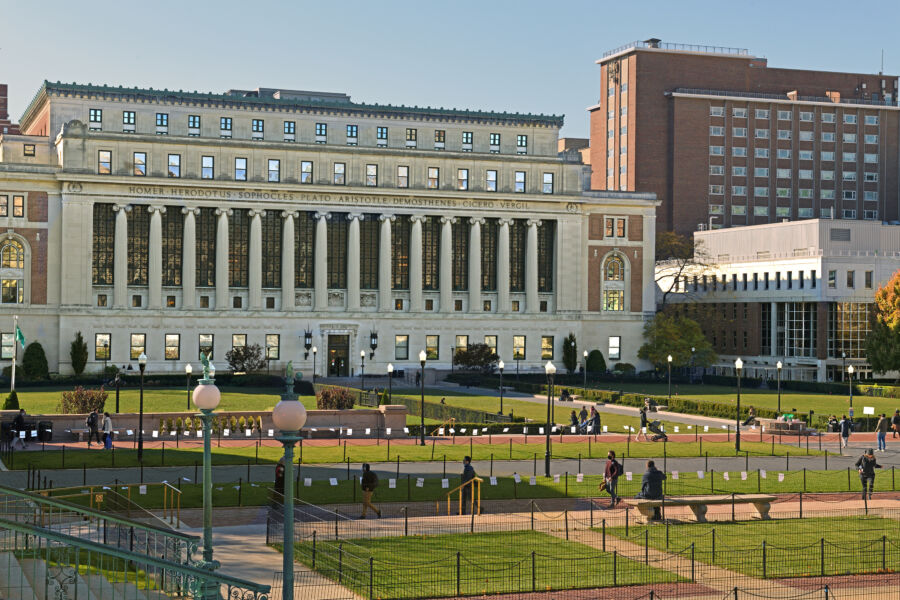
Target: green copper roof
{"type": "Point", "coordinates": [176, 95]}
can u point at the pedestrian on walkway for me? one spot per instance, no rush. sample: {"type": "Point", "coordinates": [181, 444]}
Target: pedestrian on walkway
{"type": "Point", "coordinates": [107, 431]}
{"type": "Point", "coordinates": [468, 475]}
{"type": "Point", "coordinates": [573, 419]}
{"type": "Point", "coordinates": [583, 415]}
{"type": "Point", "coordinates": [751, 416]}
{"type": "Point", "coordinates": [93, 425]}
{"type": "Point", "coordinates": [642, 431]}
{"type": "Point", "coordinates": [866, 466]}
{"type": "Point", "coordinates": [895, 424]}
{"type": "Point", "coordinates": [651, 486]}
{"type": "Point", "coordinates": [882, 428]}
{"type": "Point", "coordinates": [369, 483]}
{"type": "Point", "coordinates": [611, 477]}
{"type": "Point", "coordinates": [19, 427]}
{"type": "Point", "coordinates": [846, 425]}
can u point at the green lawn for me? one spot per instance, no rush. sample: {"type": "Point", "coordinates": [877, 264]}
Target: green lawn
{"type": "Point", "coordinates": [156, 455]}
{"type": "Point", "coordinates": [793, 548]}
{"type": "Point", "coordinates": [470, 564]}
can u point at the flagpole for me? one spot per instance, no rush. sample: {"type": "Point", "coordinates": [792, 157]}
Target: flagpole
{"type": "Point", "coordinates": [12, 385]}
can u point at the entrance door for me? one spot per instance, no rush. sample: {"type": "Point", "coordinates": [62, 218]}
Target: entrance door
{"type": "Point", "coordinates": [338, 355]}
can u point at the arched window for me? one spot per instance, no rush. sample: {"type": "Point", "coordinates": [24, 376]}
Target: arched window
{"type": "Point", "coordinates": [12, 255]}
{"type": "Point", "coordinates": [614, 283]}
{"type": "Point", "coordinates": [12, 272]}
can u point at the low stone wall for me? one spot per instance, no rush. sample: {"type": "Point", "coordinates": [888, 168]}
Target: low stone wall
{"type": "Point", "coordinates": [377, 420]}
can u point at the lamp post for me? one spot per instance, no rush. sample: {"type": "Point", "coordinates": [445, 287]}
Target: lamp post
{"type": "Point", "coordinates": [105, 357]}
{"type": "Point", "coordinates": [843, 364]}
{"type": "Point", "coordinates": [118, 382]}
{"type": "Point", "coordinates": [850, 378]}
{"type": "Point", "coordinates": [206, 399]}
{"type": "Point", "coordinates": [315, 351]}
{"type": "Point", "coordinates": [142, 364]}
{"type": "Point", "coordinates": [188, 369]}
{"type": "Point", "coordinates": [669, 362]}
{"type": "Point", "coordinates": [289, 416]}
{"type": "Point", "coordinates": [550, 370]}
{"type": "Point", "coordinates": [500, 366]}
{"type": "Point", "coordinates": [584, 385]}
{"type": "Point", "coordinates": [422, 357]}
{"type": "Point", "coordinates": [362, 369]}
{"type": "Point", "coordinates": [778, 366]}
{"type": "Point", "coordinates": [390, 370]}
{"type": "Point", "coordinates": [738, 365]}
{"type": "Point", "coordinates": [692, 364]}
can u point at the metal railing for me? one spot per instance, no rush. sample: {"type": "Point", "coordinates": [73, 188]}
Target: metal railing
{"type": "Point", "coordinates": [472, 489]}
{"type": "Point", "coordinates": [679, 47]}
{"type": "Point", "coordinates": [768, 96]}
{"type": "Point", "coordinates": [105, 497]}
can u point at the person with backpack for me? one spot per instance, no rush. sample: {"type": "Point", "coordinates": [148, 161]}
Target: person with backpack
{"type": "Point", "coordinates": [107, 431]}
{"type": "Point", "coordinates": [93, 425]}
{"type": "Point", "coordinates": [846, 426]}
{"type": "Point", "coordinates": [866, 466]}
{"type": "Point", "coordinates": [369, 483]}
{"type": "Point", "coordinates": [611, 477]}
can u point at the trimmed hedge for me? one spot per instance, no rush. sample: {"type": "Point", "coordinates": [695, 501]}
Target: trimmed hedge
{"type": "Point", "coordinates": [443, 412]}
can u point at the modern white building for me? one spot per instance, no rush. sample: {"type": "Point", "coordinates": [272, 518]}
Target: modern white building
{"type": "Point", "coordinates": [172, 222]}
{"type": "Point", "coordinates": [796, 292]}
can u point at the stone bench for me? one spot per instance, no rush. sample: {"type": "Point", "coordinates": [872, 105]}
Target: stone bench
{"type": "Point", "coordinates": [699, 504]}
{"type": "Point", "coordinates": [775, 426]}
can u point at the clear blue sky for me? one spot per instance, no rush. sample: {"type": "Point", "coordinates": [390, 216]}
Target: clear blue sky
{"type": "Point", "coordinates": [524, 56]}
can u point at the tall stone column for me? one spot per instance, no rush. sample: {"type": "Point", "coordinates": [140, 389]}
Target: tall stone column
{"type": "Point", "coordinates": [353, 262]}
{"type": "Point", "coordinates": [120, 259]}
{"type": "Point", "coordinates": [189, 259]}
{"type": "Point", "coordinates": [384, 263]}
{"type": "Point", "coordinates": [222, 283]}
{"type": "Point", "coordinates": [320, 277]}
{"type": "Point", "coordinates": [255, 259]}
{"type": "Point", "coordinates": [503, 304]}
{"type": "Point", "coordinates": [447, 263]}
{"type": "Point", "coordinates": [416, 303]}
{"type": "Point", "coordinates": [475, 264]}
{"type": "Point", "coordinates": [531, 267]}
{"type": "Point", "coordinates": [773, 306]}
{"type": "Point", "coordinates": [287, 260]}
{"type": "Point", "coordinates": [154, 267]}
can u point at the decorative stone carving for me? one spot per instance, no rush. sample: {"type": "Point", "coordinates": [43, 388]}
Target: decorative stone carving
{"type": "Point", "coordinates": [573, 207]}
{"type": "Point", "coordinates": [74, 187]}
{"type": "Point", "coordinates": [335, 298]}
{"type": "Point", "coordinates": [367, 300]}
{"type": "Point", "coordinates": [303, 299]}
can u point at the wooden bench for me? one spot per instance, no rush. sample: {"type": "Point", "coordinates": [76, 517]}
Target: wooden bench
{"type": "Point", "coordinates": [699, 504]}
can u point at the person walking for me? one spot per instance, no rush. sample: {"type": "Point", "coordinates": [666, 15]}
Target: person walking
{"type": "Point", "coordinates": [93, 425]}
{"type": "Point", "coordinates": [866, 466]}
{"type": "Point", "coordinates": [895, 424]}
{"type": "Point", "coordinates": [369, 483]}
{"type": "Point", "coordinates": [751, 416]}
{"type": "Point", "coordinates": [651, 486]}
{"type": "Point", "coordinates": [107, 431]}
{"type": "Point", "coordinates": [642, 431]}
{"type": "Point", "coordinates": [583, 415]}
{"type": "Point", "coordinates": [573, 419]}
{"type": "Point", "coordinates": [611, 477]}
{"type": "Point", "coordinates": [882, 428]}
{"type": "Point", "coordinates": [845, 425]}
{"type": "Point", "coordinates": [468, 475]}
{"type": "Point", "coordinates": [19, 427]}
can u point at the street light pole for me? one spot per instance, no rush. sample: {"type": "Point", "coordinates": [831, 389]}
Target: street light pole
{"type": "Point", "coordinates": [206, 399]}
{"type": "Point", "coordinates": [843, 364]}
{"type": "Point", "coordinates": [738, 365]}
{"type": "Point", "coordinates": [500, 367]}
{"type": "Point", "coordinates": [142, 364]}
{"type": "Point", "coordinates": [584, 385]}
{"type": "Point", "coordinates": [362, 369]}
{"type": "Point", "coordinates": [669, 361]}
{"type": "Point", "coordinates": [390, 371]}
{"type": "Point", "coordinates": [550, 370]}
{"type": "Point", "coordinates": [188, 369]}
{"type": "Point", "coordinates": [422, 358]}
{"type": "Point", "coordinates": [118, 381]}
{"type": "Point", "coordinates": [778, 366]}
{"type": "Point", "coordinates": [315, 351]}
{"type": "Point", "coordinates": [850, 379]}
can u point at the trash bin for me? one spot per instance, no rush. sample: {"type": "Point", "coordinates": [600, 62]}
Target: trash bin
{"type": "Point", "coordinates": [45, 431]}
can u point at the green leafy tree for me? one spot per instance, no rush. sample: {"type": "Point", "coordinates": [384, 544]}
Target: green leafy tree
{"type": "Point", "coordinates": [679, 257]}
{"type": "Point", "coordinates": [595, 362]}
{"type": "Point", "coordinates": [78, 354]}
{"type": "Point", "coordinates": [82, 401]}
{"type": "Point", "coordinates": [34, 362]}
{"type": "Point", "coordinates": [334, 398]}
{"type": "Point", "coordinates": [11, 402]}
{"type": "Point", "coordinates": [675, 334]}
{"type": "Point", "coordinates": [245, 359]}
{"type": "Point", "coordinates": [480, 357]}
{"type": "Point", "coordinates": [570, 353]}
{"type": "Point", "coordinates": [883, 342]}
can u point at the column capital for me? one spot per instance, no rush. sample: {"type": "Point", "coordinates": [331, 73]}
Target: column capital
{"type": "Point", "coordinates": [384, 218]}
{"type": "Point", "coordinates": [288, 214]}
{"type": "Point", "coordinates": [323, 215]}
{"type": "Point", "coordinates": [256, 212]}
{"type": "Point", "coordinates": [451, 220]}
{"type": "Point", "coordinates": [195, 210]}
{"type": "Point", "coordinates": [506, 221]}
{"type": "Point", "coordinates": [476, 220]}
{"type": "Point", "coordinates": [534, 222]}
{"type": "Point", "coordinates": [354, 216]}
{"type": "Point", "coordinates": [152, 208]}
{"type": "Point", "coordinates": [223, 211]}
{"type": "Point", "coordinates": [417, 218]}
{"type": "Point", "coordinates": [123, 207]}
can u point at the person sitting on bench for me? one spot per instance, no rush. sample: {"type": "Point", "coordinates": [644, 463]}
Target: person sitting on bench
{"type": "Point", "coordinates": [651, 487]}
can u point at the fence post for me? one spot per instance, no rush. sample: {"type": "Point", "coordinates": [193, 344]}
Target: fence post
{"type": "Point", "coordinates": [592, 512]}
{"type": "Point", "coordinates": [692, 562]}
{"type": "Point", "coordinates": [646, 546]}
{"type": "Point", "coordinates": [764, 559]}
{"type": "Point", "coordinates": [804, 479]}
{"type": "Point", "coordinates": [714, 545]}
{"type": "Point", "coordinates": [883, 551]}
{"type": "Point", "coordinates": [314, 550]}
{"type": "Point", "coordinates": [892, 478]}
{"type": "Point", "coordinates": [532, 515]}
{"type": "Point", "coordinates": [822, 557]}
{"type": "Point", "coordinates": [626, 521]}
{"type": "Point", "coordinates": [604, 535]}
{"type": "Point", "coordinates": [457, 567]}
{"type": "Point", "coordinates": [667, 534]}
{"type": "Point", "coordinates": [335, 527]}
{"type": "Point", "coordinates": [801, 505]}
{"type": "Point", "coordinates": [848, 479]}
{"type": "Point", "coordinates": [615, 560]}
{"type": "Point", "coordinates": [371, 578]}
{"type": "Point", "coordinates": [533, 573]}
{"type": "Point", "coordinates": [405, 520]}
{"type": "Point", "coordinates": [340, 562]}
{"type": "Point", "coordinates": [732, 505]}
{"type": "Point", "coordinates": [567, 524]}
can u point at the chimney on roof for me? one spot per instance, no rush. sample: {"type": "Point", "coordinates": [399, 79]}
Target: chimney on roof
{"type": "Point", "coordinates": [653, 42]}
{"type": "Point", "coordinates": [792, 95]}
{"type": "Point", "coordinates": [833, 96]}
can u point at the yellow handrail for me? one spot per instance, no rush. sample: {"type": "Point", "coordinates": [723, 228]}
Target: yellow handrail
{"type": "Point", "coordinates": [448, 423]}
{"type": "Point", "coordinates": [475, 500]}
{"type": "Point", "coordinates": [171, 508]}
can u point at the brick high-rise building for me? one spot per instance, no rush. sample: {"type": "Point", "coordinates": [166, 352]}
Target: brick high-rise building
{"type": "Point", "coordinates": [724, 140]}
{"type": "Point", "coordinates": [6, 126]}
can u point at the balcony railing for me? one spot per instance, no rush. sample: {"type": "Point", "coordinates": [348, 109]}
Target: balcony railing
{"type": "Point", "coordinates": [679, 47]}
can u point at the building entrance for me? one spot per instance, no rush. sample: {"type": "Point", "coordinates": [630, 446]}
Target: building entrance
{"type": "Point", "coordinates": [338, 355]}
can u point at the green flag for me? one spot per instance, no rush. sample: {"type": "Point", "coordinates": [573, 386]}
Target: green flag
{"type": "Point", "coordinates": [19, 337]}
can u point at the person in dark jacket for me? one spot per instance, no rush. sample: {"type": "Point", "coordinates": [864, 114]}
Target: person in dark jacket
{"type": "Point", "coordinates": [93, 425]}
{"type": "Point", "coordinates": [468, 475]}
{"type": "Point", "coordinates": [19, 426]}
{"type": "Point", "coordinates": [866, 466]}
{"type": "Point", "coordinates": [846, 426]}
{"type": "Point", "coordinates": [573, 419]}
{"type": "Point", "coordinates": [611, 477]}
{"type": "Point", "coordinates": [369, 483]}
{"type": "Point", "coordinates": [642, 430]}
{"type": "Point", "coordinates": [651, 486]}
{"type": "Point", "coordinates": [895, 424]}
{"type": "Point", "coordinates": [583, 416]}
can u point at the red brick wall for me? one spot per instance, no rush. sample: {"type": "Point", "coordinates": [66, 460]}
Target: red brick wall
{"type": "Point", "coordinates": [596, 254]}
{"type": "Point", "coordinates": [37, 207]}
{"type": "Point", "coordinates": [38, 262]}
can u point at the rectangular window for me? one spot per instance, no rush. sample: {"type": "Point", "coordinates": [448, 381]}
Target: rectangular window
{"type": "Point", "coordinates": [138, 345]}
{"type": "Point", "coordinates": [716, 130]}
{"type": "Point", "coordinates": [467, 138]}
{"type": "Point", "coordinates": [849, 156]}
{"type": "Point", "coordinates": [274, 170]}
{"type": "Point", "coordinates": [401, 347]}
{"type": "Point", "coordinates": [827, 136]}
{"type": "Point", "coordinates": [761, 192]}
{"type": "Point", "coordinates": [173, 346]}
{"type": "Point", "coordinates": [783, 173]}
{"type": "Point", "coordinates": [225, 123]}
{"type": "Point", "coordinates": [194, 121]}
{"type": "Point", "coordinates": [784, 115]}
{"type": "Point", "coordinates": [827, 117]}
{"type": "Point", "coordinates": [849, 119]}
{"type": "Point", "coordinates": [849, 175]}
{"type": "Point", "coordinates": [440, 136]}
{"type": "Point", "coordinates": [238, 340]}
{"type": "Point", "coordinates": [832, 279]}
{"type": "Point", "coordinates": [434, 176]}
{"type": "Point", "coordinates": [240, 169]}
{"type": "Point", "coordinates": [257, 126]}
{"type": "Point", "coordinates": [761, 172]}
{"type": "Point", "coordinates": [738, 151]}
{"type": "Point", "coordinates": [717, 189]}
{"type": "Point", "coordinates": [372, 175]}
{"type": "Point", "coordinates": [851, 279]}
{"type": "Point", "coordinates": [321, 132]}
{"type": "Point", "coordinates": [547, 187]}
{"type": "Point", "coordinates": [740, 132]}
{"type": "Point", "coordinates": [739, 113]}
{"type": "Point", "coordinates": [717, 150]}
{"type": "Point", "coordinates": [738, 190]}
{"type": "Point", "coordinates": [761, 134]}
{"type": "Point", "coordinates": [783, 154]}
{"type": "Point", "coordinates": [162, 119]}
{"type": "Point", "coordinates": [411, 135]}
{"type": "Point", "coordinates": [714, 111]}
{"type": "Point", "coordinates": [306, 171]}
{"type": "Point", "coordinates": [96, 116]}
{"type": "Point", "coordinates": [871, 177]}
{"type": "Point", "coordinates": [101, 346]}
{"type": "Point", "coordinates": [546, 347]}
{"type": "Point", "coordinates": [784, 134]}
{"type": "Point", "coordinates": [521, 144]}
{"type": "Point", "coordinates": [462, 179]}
{"type": "Point", "coordinates": [870, 159]}
{"type": "Point", "coordinates": [402, 177]}
{"type": "Point", "coordinates": [490, 340]}
{"type": "Point", "coordinates": [871, 138]}
{"type": "Point", "coordinates": [614, 348]}
{"type": "Point", "coordinates": [207, 170]}
{"type": "Point", "coordinates": [128, 117]}
{"type": "Point", "coordinates": [174, 165]}
{"type": "Point", "coordinates": [849, 138]}
{"type": "Point", "coordinates": [519, 182]}
{"type": "Point", "coordinates": [720, 170]}
{"type": "Point", "coordinates": [868, 280]}
{"type": "Point", "coordinates": [290, 127]}
{"type": "Point", "coordinates": [28, 149]}
{"type": "Point", "coordinates": [352, 132]}
{"type": "Point", "coordinates": [140, 164]}
{"type": "Point", "coordinates": [827, 156]}
{"type": "Point", "coordinates": [381, 135]}
{"type": "Point", "coordinates": [806, 136]}
{"type": "Point", "coordinates": [762, 113]}
{"type": "Point", "coordinates": [339, 173]}
{"type": "Point", "coordinates": [490, 182]}
{"type": "Point", "coordinates": [495, 142]}
{"type": "Point", "coordinates": [738, 209]}
{"type": "Point", "coordinates": [613, 300]}
{"type": "Point", "coordinates": [518, 342]}
{"type": "Point", "coordinates": [432, 347]}
{"type": "Point", "coordinates": [870, 196]}
{"type": "Point", "coordinates": [783, 192]}
{"type": "Point", "coordinates": [273, 346]}
{"type": "Point", "coordinates": [104, 162]}
{"type": "Point", "coordinates": [806, 116]}
{"type": "Point", "coordinates": [462, 342]}
{"type": "Point", "coordinates": [206, 345]}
